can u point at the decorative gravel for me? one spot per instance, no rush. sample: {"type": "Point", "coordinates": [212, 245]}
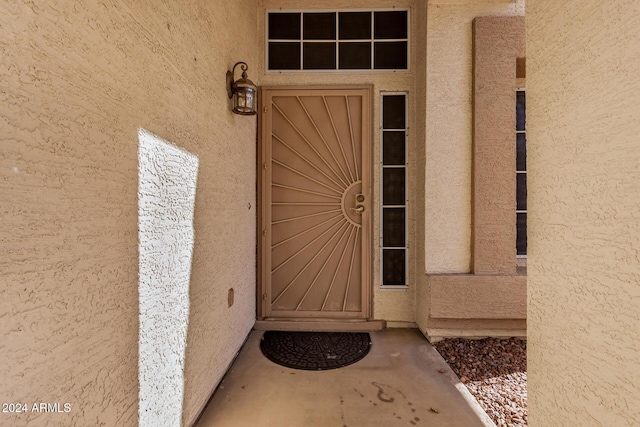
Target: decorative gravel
{"type": "Point", "coordinates": [495, 372]}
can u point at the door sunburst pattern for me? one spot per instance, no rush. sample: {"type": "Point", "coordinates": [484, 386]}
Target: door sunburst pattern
{"type": "Point", "coordinates": [317, 205]}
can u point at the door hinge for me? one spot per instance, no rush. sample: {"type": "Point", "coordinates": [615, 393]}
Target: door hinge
{"type": "Point", "coordinates": [264, 166]}
{"type": "Point", "coordinates": [264, 297]}
{"type": "Point", "coordinates": [264, 232]}
{"type": "Point", "coordinates": [265, 109]}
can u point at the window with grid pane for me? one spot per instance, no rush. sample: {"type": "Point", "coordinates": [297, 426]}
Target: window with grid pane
{"type": "Point", "coordinates": [521, 174]}
{"type": "Point", "coordinates": [394, 217]}
{"type": "Point", "coordinates": [337, 40]}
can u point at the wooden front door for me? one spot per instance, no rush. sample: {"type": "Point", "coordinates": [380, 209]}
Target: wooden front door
{"type": "Point", "coordinates": [316, 202]}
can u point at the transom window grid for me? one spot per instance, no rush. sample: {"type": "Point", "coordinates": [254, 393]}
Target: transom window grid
{"type": "Point", "coordinates": [394, 190]}
{"type": "Point", "coordinates": [324, 41]}
{"type": "Point", "coordinates": [521, 174]}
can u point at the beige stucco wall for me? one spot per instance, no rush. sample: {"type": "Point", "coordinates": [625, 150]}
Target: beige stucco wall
{"type": "Point", "coordinates": [494, 292]}
{"type": "Point", "coordinates": [440, 93]}
{"type": "Point", "coordinates": [76, 82]}
{"type": "Point", "coordinates": [447, 85]}
{"type": "Point", "coordinates": [584, 226]}
{"type": "Point", "coordinates": [422, 289]}
{"type": "Point", "coordinates": [388, 305]}
{"type": "Point", "coordinates": [449, 130]}
{"type": "Point", "coordinates": [498, 43]}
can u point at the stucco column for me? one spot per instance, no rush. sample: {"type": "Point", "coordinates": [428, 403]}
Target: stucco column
{"type": "Point", "coordinates": [583, 349]}
{"type": "Point", "coordinates": [498, 42]}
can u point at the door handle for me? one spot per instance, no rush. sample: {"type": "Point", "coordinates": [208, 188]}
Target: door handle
{"type": "Point", "coordinates": [358, 209]}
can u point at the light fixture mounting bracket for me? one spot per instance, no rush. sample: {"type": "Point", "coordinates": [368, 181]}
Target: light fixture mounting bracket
{"type": "Point", "coordinates": [231, 75]}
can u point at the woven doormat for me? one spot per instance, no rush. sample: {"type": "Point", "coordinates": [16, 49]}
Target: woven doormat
{"type": "Point", "coordinates": [315, 351]}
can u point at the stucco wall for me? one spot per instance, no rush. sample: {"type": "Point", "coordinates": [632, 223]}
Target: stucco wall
{"type": "Point", "coordinates": [388, 305]}
{"type": "Point", "coordinates": [76, 82]}
{"type": "Point", "coordinates": [449, 130]}
{"type": "Point", "coordinates": [167, 182]}
{"type": "Point", "coordinates": [422, 289]}
{"type": "Point", "coordinates": [498, 43]}
{"type": "Point", "coordinates": [584, 226]}
{"type": "Point", "coordinates": [494, 291]}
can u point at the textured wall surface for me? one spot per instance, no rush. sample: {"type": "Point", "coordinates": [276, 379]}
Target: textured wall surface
{"type": "Point", "coordinates": [420, 132]}
{"type": "Point", "coordinates": [77, 80]}
{"type": "Point", "coordinates": [493, 291]}
{"type": "Point", "coordinates": [584, 249]}
{"type": "Point", "coordinates": [498, 42]}
{"type": "Point", "coordinates": [470, 296]}
{"type": "Point", "coordinates": [387, 305]}
{"type": "Point", "coordinates": [467, 2]}
{"type": "Point", "coordinates": [449, 131]}
{"type": "Point", "coordinates": [167, 178]}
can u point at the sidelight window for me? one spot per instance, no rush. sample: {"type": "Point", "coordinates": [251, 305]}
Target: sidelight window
{"type": "Point", "coordinates": [394, 183]}
{"type": "Point", "coordinates": [521, 175]}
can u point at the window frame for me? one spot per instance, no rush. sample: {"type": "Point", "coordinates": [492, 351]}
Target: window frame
{"type": "Point", "coordinates": [381, 205]}
{"type": "Point", "coordinates": [372, 40]}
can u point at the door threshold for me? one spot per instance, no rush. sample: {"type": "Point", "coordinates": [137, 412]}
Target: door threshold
{"type": "Point", "coordinates": [320, 325]}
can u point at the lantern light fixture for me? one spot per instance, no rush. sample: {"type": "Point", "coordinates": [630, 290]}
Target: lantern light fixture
{"type": "Point", "coordinates": [243, 91]}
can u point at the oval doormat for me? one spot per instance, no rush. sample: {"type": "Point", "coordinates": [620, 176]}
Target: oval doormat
{"type": "Point", "coordinates": [315, 351]}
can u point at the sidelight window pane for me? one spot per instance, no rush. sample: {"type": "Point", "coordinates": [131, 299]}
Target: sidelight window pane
{"type": "Point", "coordinates": [393, 182]}
{"type": "Point", "coordinates": [521, 234]}
{"type": "Point", "coordinates": [393, 267]}
{"type": "Point", "coordinates": [521, 192]}
{"type": "Point", "coordinates": [393, 112]}
{"type": "Point", "coordinates": [393, 147]}
{"type": "Point", "coordinates": [521, 110]}
{"type": "Point", "coordinates": [521, 152]}
{"type": "Point", "coordinates": [393, 228]}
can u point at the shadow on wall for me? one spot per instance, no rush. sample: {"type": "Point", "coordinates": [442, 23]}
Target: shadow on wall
{"type": "Point", "coordinates": [167, 177]}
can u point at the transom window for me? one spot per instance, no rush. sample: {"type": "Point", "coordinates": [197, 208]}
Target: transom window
{"type": "Point", "coordinates": [337, 40]}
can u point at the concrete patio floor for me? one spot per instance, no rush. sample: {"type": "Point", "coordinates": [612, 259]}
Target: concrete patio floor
{"type": "Point", "coordinates": [399, 383]}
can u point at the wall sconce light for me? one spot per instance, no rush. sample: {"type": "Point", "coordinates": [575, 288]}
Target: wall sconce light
{"type": "Point", "coordinates": [243, 91]}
